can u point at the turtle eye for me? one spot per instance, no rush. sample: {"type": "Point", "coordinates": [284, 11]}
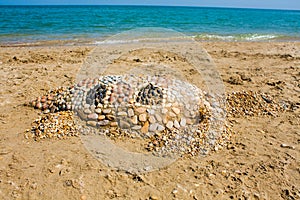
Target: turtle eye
{"type": "Point", "coordinates": [149, 95]}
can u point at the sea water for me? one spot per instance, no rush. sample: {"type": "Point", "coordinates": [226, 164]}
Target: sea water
{"type": "Point", "coordinates": [22, 24]}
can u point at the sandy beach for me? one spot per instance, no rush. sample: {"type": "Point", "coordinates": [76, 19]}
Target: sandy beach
{"type": "Point", "coordinates": [260, 162]}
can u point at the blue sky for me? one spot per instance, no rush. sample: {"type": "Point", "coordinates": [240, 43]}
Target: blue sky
{"type": "Point", "coordinates": [276, 4]}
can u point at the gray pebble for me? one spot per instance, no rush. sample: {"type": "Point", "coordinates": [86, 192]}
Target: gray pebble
{"type": "Point", "coordinates": [124, 124]}
{"type": "Point", "coordinates": [92, 116]}
{"type": "Point", "coordinates": [82, 115]}
{"type": "Point", "coordinates": [153, 127]}
{"type": "Point", "coordinates": [87, 111]}
{"type": "Point", "coordinates": [182, 121]}
{"type": "Point", "coordinates": [160, 128]}
{"type": "Point", "coordinates": [103, 122]}
{"type": "Point", "coordinates": [106, 111]}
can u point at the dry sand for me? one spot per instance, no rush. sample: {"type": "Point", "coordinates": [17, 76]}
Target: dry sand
{"type": "Point", "coordinates": [261, 161]}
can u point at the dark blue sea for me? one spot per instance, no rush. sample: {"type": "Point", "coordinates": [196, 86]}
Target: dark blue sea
{"type": "Point", "coordinates": [23, 24]}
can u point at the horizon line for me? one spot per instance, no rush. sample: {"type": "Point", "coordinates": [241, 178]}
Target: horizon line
{"type": "Point", "coordinates": [153, 5]}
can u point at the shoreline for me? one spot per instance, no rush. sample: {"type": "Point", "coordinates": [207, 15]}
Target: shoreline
{"type": "Point", "coordinates": [94, 42]}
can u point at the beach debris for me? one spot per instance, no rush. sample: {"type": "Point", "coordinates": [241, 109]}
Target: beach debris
{"type": "Point", "coordinates": [287, 146]}
{"type": "Point", "coordinates": [250, 103]}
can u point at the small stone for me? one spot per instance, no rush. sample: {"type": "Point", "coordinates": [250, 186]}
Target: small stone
{"type": "Point", "coordinates": [98, 110]}
{"type": "Point", "coordinates": [165, 120]}
{"type": "Point", "coordinates": [136, 128]}
{"type": "Point", "coordinates": [93, 116]}
{"type": "Point", "coordinates": [130, 113]}
{"type": "Point", "coordinates": [169, 125]}
{"type": "Point", "coordinates": [153, 127]}
{"type": "Point", "coordinates": [189, 121]}
{"type": "Point", "coordinates": [124, 124]}
{"type": "Point", "coordinates": [152, 119]}
{"type": "Point", "coordinates": [87, 111]}
{"type": "Point", "coordinates": [176, 124]}
{"type": "Point", "coordinates": [83, 197]}
{"type": "Point", "coordinates": [145, 128]}
{"type": "Point", "coordinates": [86, 106]}
{"type": "Point", "coordinates": [182, 121]}
{"type": "Point", "coordinates": [111, 117]}
{"type": "Point", "coordinates": [151, 111]}
{"type": "Point", "coordinates": [134, 120]}
{"type": "Point", "coordinates": [82, 115]}
{"type": "Point", "coordinates": [164, 111]}
{"type": "Point", "coordinates": [287, 146]}
{"type": "Point", "coordinates": [168, 105]}
{"type": "Point", "coordinates": [158, 117]}
{"type": "Point", "coordinates": [120, 100]}
{"type": "Point", "coordinates": [91, 123]}
{"type": "Point", "coordinates": [101, 117]}
{"type": "Point", "coordinates": [141, 110]}
{"type": "Point", "coordinates": [103, 123]}
{"type": "Point", "coordinates": [171, 114]}
{"type": "Point", "coordinates": [122, 113]}
{"type": "Point", "coordinates": [160, 128]}
{"type": "Point", "coordinates": [107, 111]}
{"type": "Point", "coordinates": [114, 124]}
{"type": "Point", "coordinates": [176, 110]}
{"type": "Point", "coordinates": [143, 117]}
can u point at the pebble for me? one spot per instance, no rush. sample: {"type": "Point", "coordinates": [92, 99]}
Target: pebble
{"type": "Point", "coordinates": [111, 117]}
{"type": "Point", "coordinates": [114, 124]}
{"type": "Point", "coordinates": [92, 116]}
{"type": "Point", "coordinates": [153, 127]}
{"type": "Point", "coordinates": [130, 113]}
{"type": "Point", "coordinates": [87, 111]}
{"type": "Point", "coordinates": [91, 123]}
{"type": "Point", "coordinates": [98, 110]}
{"type": "Point", "coordinates": [287, 146]}
{"type": "Point", "coordinates": [124, 124]}
{"type": "Point", "coordinates": [176, 124]}
{"type": "Point", "coordinates": [106, 111]}
{"type": "Point", "coordinates": [143, 117]}
{"type": "Point", "coordinates": [182, 121]}
{"type": "Point", "coordinates": [82, 115]}
{"type": "Point", "coordinates": [103, 122]}
{"type": "Point", "coordinates": [134, 120]}
{"type": "Point", "coordinates": [152, 119]}
{"type": "Point", "coordinates": [136, 127]}
{"type": "Point", "coordinates": [158, 117]}
{"type": "Point", "coordinates": [164, 111]}
{"type": "Point", "coordinates": [171, 114]}
{"type": "Point", "coordinates": [176, 110]}
{"type": "Point", "coordinates": [122, 113]}
{"type": "Point", "coordinates": [141, 110]}
{"type": "Point", "coordinates": [160, 128]}
{"type": "Point", "coordinates": [145, 128]}
{"type": "Point", "coordinates": [165, 120]}
{"type": "Point", "coordinates": [101, 117]}
{"type": "Point", "coordinates": [169, 125]}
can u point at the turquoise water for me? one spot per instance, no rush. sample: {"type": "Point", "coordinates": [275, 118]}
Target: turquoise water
{"type": "Point", "coordinates": [20, 24]}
